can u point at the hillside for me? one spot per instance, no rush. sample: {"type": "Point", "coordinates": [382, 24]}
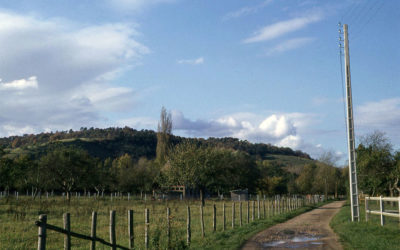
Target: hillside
{"type": "Point", "coordinates": [114, 142]}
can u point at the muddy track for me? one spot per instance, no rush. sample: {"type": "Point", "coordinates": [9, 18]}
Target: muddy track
{"type": "Point", "coordinates": [307, 231]}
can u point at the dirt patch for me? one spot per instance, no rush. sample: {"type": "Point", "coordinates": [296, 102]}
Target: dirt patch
{"type": "Point", "coordinates": [307, 231]}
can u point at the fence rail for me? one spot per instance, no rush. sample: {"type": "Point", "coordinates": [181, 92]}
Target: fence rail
{"type": "Point", "coordinates": [43, 227]}
{"type": "Point", "coordinates": [382, 212]}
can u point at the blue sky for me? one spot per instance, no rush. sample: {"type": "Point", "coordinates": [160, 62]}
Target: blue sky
{"type": "Point", "coordinates": [262, 70]}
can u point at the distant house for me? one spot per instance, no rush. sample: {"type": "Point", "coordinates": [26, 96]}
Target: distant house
{"type": "Point", "coordinates": [240, 195]}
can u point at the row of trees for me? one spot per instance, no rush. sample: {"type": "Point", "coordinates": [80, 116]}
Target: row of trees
{"type": "Point", "coordinates": [211, 170]}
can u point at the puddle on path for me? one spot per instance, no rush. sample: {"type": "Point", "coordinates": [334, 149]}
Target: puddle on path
{"type": "Point", "coordinates": [302, 241]}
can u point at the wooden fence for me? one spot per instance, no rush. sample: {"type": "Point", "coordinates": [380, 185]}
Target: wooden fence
{"type": "Point", "coordinates": [274, 207]}
{"type": "Point", "coordinates": [382, 213]}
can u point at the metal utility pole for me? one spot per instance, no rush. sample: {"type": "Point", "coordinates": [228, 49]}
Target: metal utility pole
{"type": "Point", "coordinates": [355, 209]}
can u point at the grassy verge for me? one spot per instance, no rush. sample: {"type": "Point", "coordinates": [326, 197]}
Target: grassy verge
{"type": "Point", "coordinates": [366, 235]}
{"type": "Point", "coordinates": [235, 238]}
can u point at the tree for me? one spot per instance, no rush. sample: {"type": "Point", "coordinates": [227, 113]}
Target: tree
{"type": "Point", "coordinates": [7, 175]}
{"type": "Point", "coordinates": [395, 175]}
{"type": "Point", "coordinates": [273, 179]}
{"type": "Point", "coordinates": [67, 169]}
{"type": "Point", "coordinates": [375, 164]}
{"type": "Point", "coordinates": [164, 131]}
{"type": "Point", "coordinates": [305, 181]}
{"type": "Point", "coordinates": [209, 168]}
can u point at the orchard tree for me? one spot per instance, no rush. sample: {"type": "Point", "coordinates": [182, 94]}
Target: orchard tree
{"type": "Point", "coordinates": [67, 169]}
{"type": "Point", "coordinates": [209, 168]}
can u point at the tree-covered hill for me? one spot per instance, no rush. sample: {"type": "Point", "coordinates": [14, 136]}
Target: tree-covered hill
{"type": "Point", "coordinates": [115, 142]}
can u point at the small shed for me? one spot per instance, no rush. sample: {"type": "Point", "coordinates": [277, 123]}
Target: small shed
{"type": "Point", "coordinates": [174, 192]}
{"type": "Point", "coordinates": [240, 195]}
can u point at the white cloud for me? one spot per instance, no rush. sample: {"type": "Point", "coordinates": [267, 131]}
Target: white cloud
{"type": "Point", "coordinates": [136, 5]}
{"type": "Point", "coordinates": [196, 61]}
{"type": "Point", "coordinates": [283, 27]}
{"type": "Point", "coordinates": [279, 129]}
{"type": "Point", "coordinates": [289, 45]}
{"type": "Point", "coordinates": [138, 123]}
{"type": "Point", "coordinates": [246, 10]}
{"type": "Point", "coordinates": [383, 115]}
{"type": "Point", "coordinates": [277, 126]}
{"type": "Point", "coordinates": [75, 66]}
{"type": "Point", "coordinates": [11, 130]}
{"type": "Point", "coordinates": [20, 84]}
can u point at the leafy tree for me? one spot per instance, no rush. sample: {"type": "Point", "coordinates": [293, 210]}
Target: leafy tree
{"type": "Point", "coordinates": [395, 174]}
{"type": "Point", "coordinates": [103, 178]}
{"type": "Point", "coordinates": [305, 181]}
{"type": "Point", "coordinates": [67, 169]}
{"type": "Point", "coordinates": [164, 131]}
{"type": "Point", "coordinates": [199, 167]}
{"type": "Point", "coordinates": [273, 179]}
{"type": "Point", "coordinates": [375, 163]}
{"type": "Point", "coordinates": [7, 176]}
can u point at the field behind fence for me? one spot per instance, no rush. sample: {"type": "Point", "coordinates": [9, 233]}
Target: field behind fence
{"type": "Point", "coordinates": [18, 229]}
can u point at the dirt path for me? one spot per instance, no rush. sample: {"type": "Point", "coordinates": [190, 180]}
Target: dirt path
{"type": "Point", "coordinates": [307, 231]}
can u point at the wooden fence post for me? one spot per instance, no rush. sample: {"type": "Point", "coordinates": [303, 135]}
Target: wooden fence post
{"type": "Point", "coordinates": [248, 212]}
{"type": "Point", "coordinates": [264, 208]}
{"type": "Point", "coordinates": [258, 208]}
{"type": "Point", "coordinates": [253, 210]}
{"type": "Point", "coordinates": [113, 239]}
{"type": "Point", "coordinates": [188, 233]}
{"type": "Point", "coordinates": [130, 229]}
{"type": "Point", "coordinates": [240, 214]}
{"type": "Point", "coordinates": [399, 208]}
{"type": "Point", "coordinates": [168, 225]}
{"type": "Point", "coordinates": [382, 208]}
{"type": "Point", "coordinates": [223, 217]}
{"type": "Point", "coordinates": [366, 209]}
{"type": "Point", "coordinates": [214, 218]}
{"type": "Point", "coordinates": [146, 227]}
{"type": "Point", "coordinates": [67, 227]}
{"type": "Point", "coordinates": [42, 232]}
{"type": "Point", "coordinates": [93, 231]}
{"type": "Point", "coordinates": [233, 214]}
{"type": "Point", "coordinates": [202, 220]}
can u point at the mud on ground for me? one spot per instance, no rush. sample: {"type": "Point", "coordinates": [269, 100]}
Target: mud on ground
{"type": "Point", "coordinates": [307, 231]}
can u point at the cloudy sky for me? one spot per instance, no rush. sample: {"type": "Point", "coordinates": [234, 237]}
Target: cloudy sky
{"type": "Point", "coordinates": [261, 70]}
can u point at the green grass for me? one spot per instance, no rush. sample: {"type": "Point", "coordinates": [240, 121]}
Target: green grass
{"type": "Point", "coordinates": [18, 230]}
{"type": "Point", "coordinates": [366, 235]}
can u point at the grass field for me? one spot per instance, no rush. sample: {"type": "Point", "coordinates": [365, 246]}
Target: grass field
{"type": "Point", "coordinates": [367, 235]}
{"type": "Point", "coordinates": [18, 229]}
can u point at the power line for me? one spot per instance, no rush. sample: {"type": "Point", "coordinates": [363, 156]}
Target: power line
{"type": "Point", "coordinates": [349, 11]}
{"type": "Point", "coordinates": [363, 11]}
{"type": "Point", "coordinates": [359, 31]}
